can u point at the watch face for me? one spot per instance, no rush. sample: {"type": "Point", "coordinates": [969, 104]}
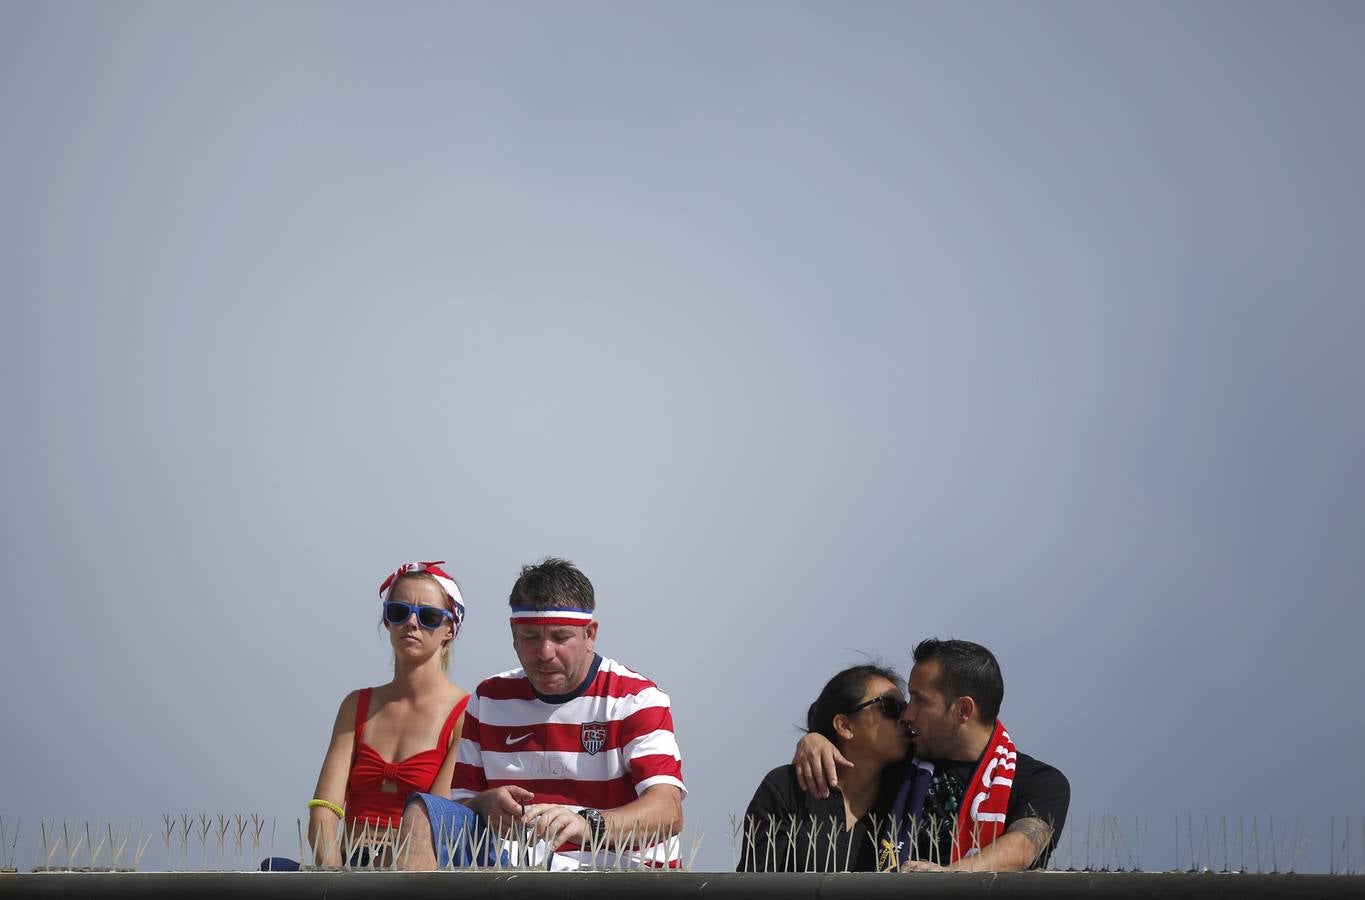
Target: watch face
{"type": "Point", "coordinates": [596, 824]}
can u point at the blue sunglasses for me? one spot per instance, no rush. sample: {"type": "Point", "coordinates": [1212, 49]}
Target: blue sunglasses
{"type": "Point", "coordinates": [396, 612]}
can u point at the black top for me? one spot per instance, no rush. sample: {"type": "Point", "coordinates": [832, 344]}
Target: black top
{"type": "Point", "coordinates": [1040, 791]}
{"type": "Point", "coordinates": [789, 830]}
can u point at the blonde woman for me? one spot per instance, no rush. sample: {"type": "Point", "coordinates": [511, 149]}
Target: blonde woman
{"type": "Point", "coordinates": [398, 738]}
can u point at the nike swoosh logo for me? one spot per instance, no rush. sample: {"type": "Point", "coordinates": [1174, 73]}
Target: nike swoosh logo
{"type": "Point", "coordinates": [518, 739]}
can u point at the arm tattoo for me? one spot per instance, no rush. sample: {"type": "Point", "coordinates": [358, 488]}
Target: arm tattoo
{"type": "Point", "coordinates": [1038, 832]}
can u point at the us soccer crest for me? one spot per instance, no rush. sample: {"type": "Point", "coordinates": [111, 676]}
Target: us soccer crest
{"type": "Point", "coordinates": [594, 735]}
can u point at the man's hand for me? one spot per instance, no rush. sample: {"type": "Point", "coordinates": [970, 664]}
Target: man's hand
{"type": "Point", "coordinates": [503, 807]}
{"type": "Point", "coordinates": [921, 865]}
{"type": "Point", "coordinates": [817, 763]}
{"type": "Point", "coordinates": [557, 825]}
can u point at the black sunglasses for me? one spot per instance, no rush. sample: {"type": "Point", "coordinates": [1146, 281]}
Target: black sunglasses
{"type": "Point", "coordinates": [396, 612]}
{"type": "Point", "coordinates": [892, 706]}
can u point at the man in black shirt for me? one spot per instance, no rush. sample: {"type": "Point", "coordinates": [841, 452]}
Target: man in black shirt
{"type": "Point", "coordinates": [987, 807]}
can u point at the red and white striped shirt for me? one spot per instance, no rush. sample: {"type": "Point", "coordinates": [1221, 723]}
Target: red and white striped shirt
{"type": "Point", "coordinates": [599, 748]}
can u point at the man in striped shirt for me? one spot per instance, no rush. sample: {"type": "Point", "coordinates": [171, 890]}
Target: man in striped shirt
{"type": "Point", "coordinates": [571, 758]}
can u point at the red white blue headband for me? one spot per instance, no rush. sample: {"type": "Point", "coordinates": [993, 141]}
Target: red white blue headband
{"type": "Point", "coordinates": [534, 615]}
{"type": "Point", "coordinates": [435, 571]}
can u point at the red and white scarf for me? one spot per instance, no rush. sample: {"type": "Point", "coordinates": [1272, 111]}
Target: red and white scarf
{"type": "Point", "coordinates": [982, 817]}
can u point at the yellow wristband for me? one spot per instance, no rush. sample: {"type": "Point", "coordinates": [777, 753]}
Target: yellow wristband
{"type": "Point", "coordinates": [327, 804]}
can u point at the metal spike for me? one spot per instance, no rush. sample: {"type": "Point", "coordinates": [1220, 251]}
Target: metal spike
{"type": "Point", "coordinates": [696, 846]}
{"type": "Point", "coordinates": [105, 840]}
{"type": "Point", "coordinates": [1302, 843]}
{"type": "Point", "coordinates": [116, 850]}
{"type": "Point", "coordinates": [71, 853]}
{"type": "Point", "coordinates": [1361, 832]}
{"type": "Point", "coordinates": [143, 842]}
{"type": "Point", "coordinates": [1069, 852]}
{"type": "Point", "coordinates": [480, 841]}
{"type": "Point", "coordinates": [1121, 846]}
{"type": "Point", "coordinates": [184, 840]}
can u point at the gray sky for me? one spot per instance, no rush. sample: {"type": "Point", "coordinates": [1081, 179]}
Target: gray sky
{"type": "Point", "coordinates": [806, 330]}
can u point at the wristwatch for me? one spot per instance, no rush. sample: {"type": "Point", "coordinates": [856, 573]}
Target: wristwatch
{"type": "Point", "coordinates": [597, 826]}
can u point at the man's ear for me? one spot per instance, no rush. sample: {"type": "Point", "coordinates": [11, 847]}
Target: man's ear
{"type": "Point", "coordinates": [966, 709]}
{"type": "Point", "coordinates": [590, 631]}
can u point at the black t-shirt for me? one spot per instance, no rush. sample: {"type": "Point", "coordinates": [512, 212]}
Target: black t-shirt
{"type": "Point", "coordinates": [1039, 791]}
{"type": "Point", "coordinates": [788, 830]}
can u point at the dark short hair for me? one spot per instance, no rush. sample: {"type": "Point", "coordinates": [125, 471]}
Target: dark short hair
{"type": "Point", "coordinates": [552, 584]}
{"type": "Point", "coordinates": [966, 670]}
{"type": "Point", "coordinates": [841, 693]}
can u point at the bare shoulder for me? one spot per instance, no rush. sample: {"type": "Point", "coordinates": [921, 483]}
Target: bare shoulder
{"type": "Point", "coordinates": [350, 702]}
{"type": "Point", "coordinates": [346, 713]}
{"type": "Point", "coordinates": [453, 700]}
{"type": "Point", "coordinates": [446, 699]}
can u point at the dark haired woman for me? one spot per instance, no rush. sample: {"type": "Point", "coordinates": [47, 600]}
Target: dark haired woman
{"type": "Point", "coordinates": [788, 830]}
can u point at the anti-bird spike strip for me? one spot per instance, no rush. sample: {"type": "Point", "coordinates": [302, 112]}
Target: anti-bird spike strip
{"type": "Point", "coordinates": [1221, 845]}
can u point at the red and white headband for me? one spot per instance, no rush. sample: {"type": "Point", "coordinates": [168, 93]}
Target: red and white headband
{"type": "Point", "coordinates": [435, 571]}
{"type": "Point", "coordinates": [533, 615]}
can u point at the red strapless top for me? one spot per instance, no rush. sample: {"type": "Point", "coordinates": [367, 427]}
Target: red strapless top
{"type": "Point", "coordinates": [365, 802]}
